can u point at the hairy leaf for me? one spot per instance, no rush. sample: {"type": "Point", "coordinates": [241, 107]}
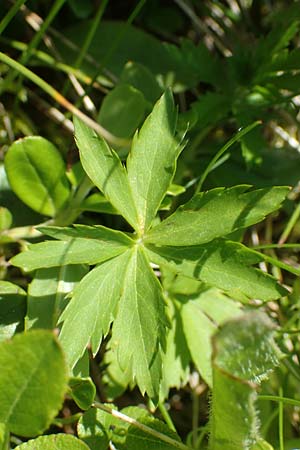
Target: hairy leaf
{"type": "Point", "coordinates": [216, 213]}
{"type": "Point", "coordinates": [245, 347]}
{"type": "Point", "coordinates": [33, 380]}
{"type": "Point", "coordinates": [244, 352]}
{"type": "Point", "coordinates": [152, 160]}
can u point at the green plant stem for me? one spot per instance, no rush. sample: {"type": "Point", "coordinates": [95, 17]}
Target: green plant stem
{"type": "Point", "coordinates": [141, 426]}
{"type": "Point", "coordinates": [281, 265]}
{"type": "Point", "coordinates": [27, 232]}
{"type": "Point", "coordinates": [11, 14]}
{"type": "Point", "coordinates": [68, 215]}
{"type": "Point", "coordinates": [53, 63]}
{"type": "Point", "coordinates": [290, 225]}
{"type": "Point", "coordinates": [87, 41]}
{"type": "Point", "coordinates": [280, 422]}
{"type": "Point", "coordinates": [166, 416]}
{"type": "Point", "coordinates": [37, 37]}
{"type": "Point", "coordinates": [114, 140]}
{"type": "Point", "coordinates": [280, 399]}
{"type": "Point", "coordinates": [278, 246]}
{"type": "Point", "coordinates": [60, 422]}
{"type": "Point", "coordinates": [275, 261]}
{"type": "Point", "coordinates": [225, 147]}
{"type": "Point", "coordinates": [32, 45]}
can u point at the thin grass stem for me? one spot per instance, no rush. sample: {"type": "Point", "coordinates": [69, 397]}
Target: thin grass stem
{"type": "Point", "coordinates": [142, 427]}
{"type": "Point", "coordinates": [46, 87]}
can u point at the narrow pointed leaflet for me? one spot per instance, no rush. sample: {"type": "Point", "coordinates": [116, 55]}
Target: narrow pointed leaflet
{"type": "Point", "coordinates": [93, 307]}
{"type": "Point", "coordinates": [79, 245]}
{"type": "Point", "coordinates": [105, 169]}
{"type": "Point", "coordinates": [151, 163]}
{"type": "Point", "coordinates": [220, 263]}
{"type": "Point", "coordinates": [216, 213]}
{"type": "Point", "coordinates": [139, 331]}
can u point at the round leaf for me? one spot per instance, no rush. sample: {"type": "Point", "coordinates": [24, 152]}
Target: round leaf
{"type": "Point", "coordinates": [33, 380]}
{"type": "Point", "coordinates": [5, 218]}
{"type": "Point", "coordinates": [122, 110]}
{"type": "Point", "coordinates": [83, 391]}
{"type": "Point", "coordinates": [36, 173]}
{"type": "Point", "coordinates": [54, 441]}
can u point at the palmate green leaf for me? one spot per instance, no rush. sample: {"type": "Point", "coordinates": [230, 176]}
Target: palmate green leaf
{"type": "Point", "coordinates": [80, 245]}
{"type": "Point", "coordinates": [244, 354]}
{"type": "Point", "coordinates": [152, 160]}
{"type": "Point", "coordinates": [33, 380]}
{"type": "Point", "coordinates": [93, 307]}
{"type": "Point", "coordinates": [54, 442]}
{"type": "Point", "coordinates": [36, 173]}
{"type": "Point", "coordinates": [216, 213]}
{"type": "Point", "coordinates": [104, 167]}
{"type": "Point", "coordinates": [234, 421]}
{"type": "Point", "coordinates": [138, 334]}
{"type": "Point", "coordinates": [12, 309]}
{"type": "Point", "coordinates": [47, 292]}
{"type": "Point", "coordinates": [224, 264]}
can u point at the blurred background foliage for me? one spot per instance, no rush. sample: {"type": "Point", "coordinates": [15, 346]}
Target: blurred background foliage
{"type": "Point", "coordinates": [229, 63]}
